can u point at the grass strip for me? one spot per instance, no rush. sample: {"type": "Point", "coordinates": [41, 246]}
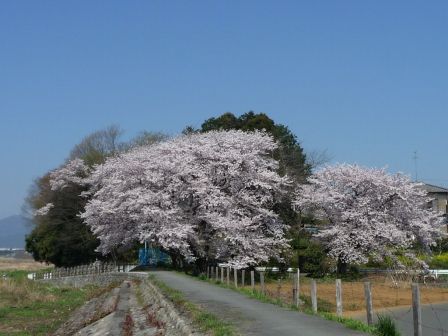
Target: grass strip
{"type": "Point", "coordinates": [204, 320]}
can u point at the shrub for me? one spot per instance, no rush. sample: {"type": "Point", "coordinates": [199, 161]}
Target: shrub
{"type": "Point", "coordinates": [386, 326]}
{"type": "Point", "coordinates": [439, 261]}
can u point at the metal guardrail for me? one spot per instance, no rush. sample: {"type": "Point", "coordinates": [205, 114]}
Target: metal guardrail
{"type": "Point", "coordinates": [436, 273]}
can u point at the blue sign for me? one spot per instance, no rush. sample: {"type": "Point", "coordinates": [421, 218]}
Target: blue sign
{"type": "Point", "coordinates": [152, 257]}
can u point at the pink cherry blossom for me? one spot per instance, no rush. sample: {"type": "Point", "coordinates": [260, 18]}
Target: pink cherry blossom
{"type": "Point", "coordinates": [205, 195]}
{"type": "Point", "coordinates": [369, 213]}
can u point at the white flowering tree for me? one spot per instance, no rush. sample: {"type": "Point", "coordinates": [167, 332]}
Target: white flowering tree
{"type": "Point", "coordinates": [369, 212]}
{"type": "Point", "coordinates": [60, 236]}
{"type": "Point", "coordinates": [201, 196]}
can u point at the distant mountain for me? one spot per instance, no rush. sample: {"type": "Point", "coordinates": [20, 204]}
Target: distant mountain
{"type": "Point", "coordinates": [13, 230]}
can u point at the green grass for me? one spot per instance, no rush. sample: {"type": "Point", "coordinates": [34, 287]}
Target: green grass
{"type": "Point", "coordinates": [386, 326]}
{"type": "Point", "coordinates": [34, 308]}
{"type": "Point", "coordinates": [205, 321]}
{"type": "Point", "coordinates": [439, 261]}
{"type": "Point", "coordinates": [350, 323]}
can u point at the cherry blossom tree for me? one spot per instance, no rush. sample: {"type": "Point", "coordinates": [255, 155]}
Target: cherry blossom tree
{"type": "Point", "coordinates": [369, 212]}
{"type": "Point", "coordinates": [205, 197]}
{"type": "Point", "coordinates": [56, 199]}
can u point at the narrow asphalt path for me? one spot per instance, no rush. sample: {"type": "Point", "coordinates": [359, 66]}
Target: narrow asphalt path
{"type": "Point", "coordinates": [434, 319]}
{"type": "Point", "coordinates": [250, 316]}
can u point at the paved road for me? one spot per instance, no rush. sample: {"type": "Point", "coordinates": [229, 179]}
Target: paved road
{"type": "Point", "coordinates": [434, 319]}
{"type": "Point", "coordinates": [250, 316]}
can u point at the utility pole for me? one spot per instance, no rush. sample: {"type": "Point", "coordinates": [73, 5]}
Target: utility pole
{"type": "Point", "coordinates": [415, 157]}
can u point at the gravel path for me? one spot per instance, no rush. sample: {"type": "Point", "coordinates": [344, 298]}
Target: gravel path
{"type": "Point", "coordinates": [250, 316]}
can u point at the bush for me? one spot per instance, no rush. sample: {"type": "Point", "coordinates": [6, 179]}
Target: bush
{"type": "Point", "coordinates": [386, 326]}
{"type": "Point", "coordinates": [311, 256]}
{"type": "Point", "coordinates": [441, 246]}
{"type": "Point", "coordinates": [439, 261]}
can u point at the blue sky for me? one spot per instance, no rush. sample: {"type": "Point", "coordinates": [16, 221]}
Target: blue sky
{"type": "Point", "coordinates": [366, 81]}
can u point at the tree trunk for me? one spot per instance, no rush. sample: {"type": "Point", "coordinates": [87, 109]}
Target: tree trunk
{"type": "Point", "coordinates": [175, 258]}
{"type": "Point", "coordinates": [341, 267]}
{"type": "Point", "coordinates": [200, 266]}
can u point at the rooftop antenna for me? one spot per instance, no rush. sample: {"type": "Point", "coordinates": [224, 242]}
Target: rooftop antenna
{"type": "Point", "coordinates": [415, 157]}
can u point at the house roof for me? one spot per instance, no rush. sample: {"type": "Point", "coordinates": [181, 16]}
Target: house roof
{"type": "Point", "coordinates": [434, 189]}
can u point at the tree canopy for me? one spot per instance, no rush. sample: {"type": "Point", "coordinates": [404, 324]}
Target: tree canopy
{"type": "Point", "coordinates": [95, 147]}
{"type": "Point", "coordinates": [370, 213]}
{"type": "Point", "coordinates": [222, 193]}
{"type": "Point", "coordinates": [290, 155]}
{"type": "Point", "coordinates": [201, 197]}
{"type": "Point", "coordinates": [60, 236]}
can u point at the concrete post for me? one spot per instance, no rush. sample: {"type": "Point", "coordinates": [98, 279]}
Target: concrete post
{"type": "Point", "coordinates": [235, 277]}
{"type": "Point", "coordinates": [416, 310]}
{"type": "Point", "coordinates": [252, 280]}
{"type": "Point", "coordinates": [369, 305]}
{"type": "Point", "coordinates": [314, 296]}
{"type": "Point", "coordinates": [262, 282]}
{"type": "Point", "coordinates": [338, 297]}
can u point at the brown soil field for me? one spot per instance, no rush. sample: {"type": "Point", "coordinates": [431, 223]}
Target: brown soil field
{"type": "Point", "coordinates": [11, 264]}
{"type": "Point", "coordinates": [384, 294]}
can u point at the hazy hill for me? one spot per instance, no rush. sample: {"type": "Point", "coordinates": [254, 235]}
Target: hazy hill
{"type": "Point", "coordinates": [13, 230]}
